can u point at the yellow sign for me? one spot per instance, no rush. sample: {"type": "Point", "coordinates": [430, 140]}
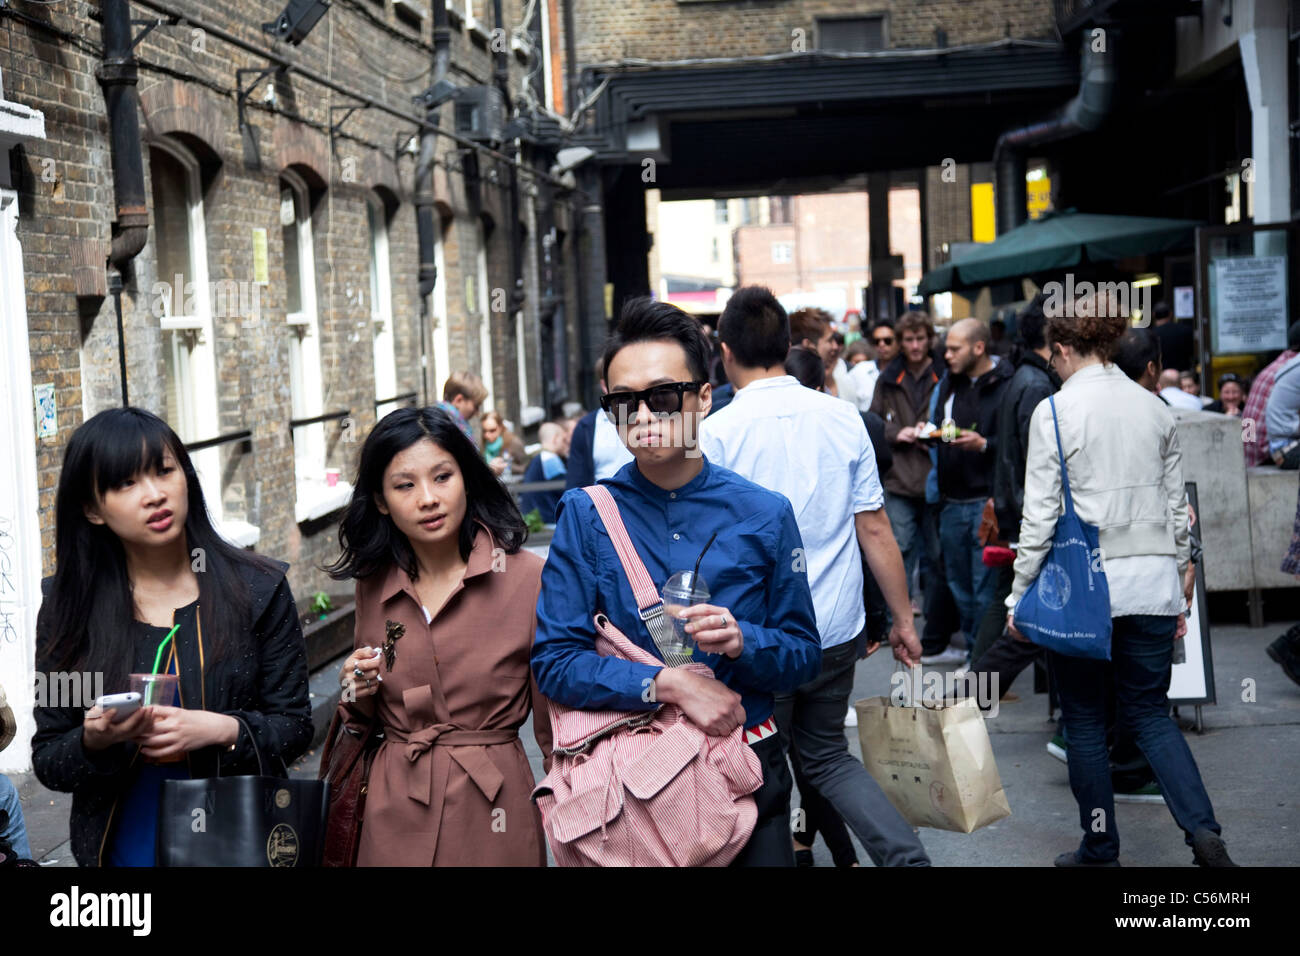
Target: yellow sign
{"type": "Point", "coordinates": [260, 272]}
{"type": "Point", "coordinates": [609, 300]}
{"type": "Point", "coordinates": [1039, 194]}
{"type": "Point", "coordinates": [983, 221]}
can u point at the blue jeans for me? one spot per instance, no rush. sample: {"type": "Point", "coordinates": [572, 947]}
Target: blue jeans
{"type": "Point", "coordinates": [905, 519]}
{"type": "Point", "coordinates": [1142, 647]}
{"type": "Point", "coordinates": [972, 583]}
{"type": "Point", "coordinates": [14, 832]}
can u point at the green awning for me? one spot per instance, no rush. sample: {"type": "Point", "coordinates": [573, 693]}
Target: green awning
{"type": "Point", "coordinates": [1059, 241]}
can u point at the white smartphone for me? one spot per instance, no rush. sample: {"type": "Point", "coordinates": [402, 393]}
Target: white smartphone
{"type": "Point", "coordinates": [122, 705]}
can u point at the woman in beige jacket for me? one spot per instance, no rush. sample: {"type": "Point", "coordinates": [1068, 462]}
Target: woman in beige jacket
{"type": "Point", "coordinates": [446, 611]}
{"type": "Point", "coordinates": [1120, 444]}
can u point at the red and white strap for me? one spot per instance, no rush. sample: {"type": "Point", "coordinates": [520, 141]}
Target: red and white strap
{"type": "Point", "coordinates": [643, 587]}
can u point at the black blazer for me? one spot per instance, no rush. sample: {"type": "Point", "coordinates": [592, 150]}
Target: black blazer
{"type": "Point", "coordinates": [266, 686]}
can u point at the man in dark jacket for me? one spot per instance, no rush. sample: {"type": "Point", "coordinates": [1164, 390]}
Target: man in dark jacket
{"type": "Point", "coordinates": [1033, 381]}
{"type": "Point", "coordinates": [971, 398]}
{"type": "Point", "coordinates": [902, 400]}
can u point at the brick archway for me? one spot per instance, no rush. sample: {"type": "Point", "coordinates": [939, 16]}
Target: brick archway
{"type": "Point", "coordinates": [172, 107]}
{"type": "Point", "coordinates": [303, 147]}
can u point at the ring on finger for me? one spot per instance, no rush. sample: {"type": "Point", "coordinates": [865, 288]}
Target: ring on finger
{"type": "Point", "coordinates": [356, 669]}
{"type": "Point", "coordinates": [369, 681]}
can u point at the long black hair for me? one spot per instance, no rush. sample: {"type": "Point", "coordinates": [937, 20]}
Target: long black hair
{"type": "Point", "coordinates": [369, 539]}
{"type": "Point", "coordinates": [90, 608]}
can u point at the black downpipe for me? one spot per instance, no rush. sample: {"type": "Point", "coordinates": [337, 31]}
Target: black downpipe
{"type": "Point", "coordinates": [117, 75]}
{"type": "Point", "coordinates": [1084, 113]}
{"type": "Point", "coordinates": [424, 214]}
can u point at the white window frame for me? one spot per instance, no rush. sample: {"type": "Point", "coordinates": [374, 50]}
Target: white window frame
{"type": "Point", "coordinates": [314, 498]}
{"type": "Point", "coordinates": [485, 316]}
{"type": "Point", "coordinates": [788, 247]}
{"type": "Point", "coordinates": [441, 347]}
{"type": "Point", "coordinates": [547, 79]}
{"type": "Point", "coordinates": [190, 337]}
{"type": "Point", "coordinates": [381, 304]}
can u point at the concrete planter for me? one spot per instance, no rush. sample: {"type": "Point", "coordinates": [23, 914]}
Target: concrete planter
{"type": "Point", "coordinates": [330, 636]}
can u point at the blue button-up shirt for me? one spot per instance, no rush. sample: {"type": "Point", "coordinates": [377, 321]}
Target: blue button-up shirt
{"type": "Point", "coordinates": [756, 567]}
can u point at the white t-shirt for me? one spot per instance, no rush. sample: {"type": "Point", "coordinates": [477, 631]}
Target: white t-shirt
{"type": "Point", "coordinates": [813, 448]}
{"type": "Point", "coordinates": [865, 375]}
{"type": "Point", "coordinates": [1177, 398]}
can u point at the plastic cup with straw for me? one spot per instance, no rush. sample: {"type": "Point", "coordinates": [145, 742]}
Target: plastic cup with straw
{"type": "Point", "coordinates": [147, 685]}
{"type": "Point", "coordinates": [684, 589]}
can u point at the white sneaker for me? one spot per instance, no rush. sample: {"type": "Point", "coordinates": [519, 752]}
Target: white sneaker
{"type": "Point", "coordinates": [851, 718]}
{"type": "Point", "coordinates": [949, 655]}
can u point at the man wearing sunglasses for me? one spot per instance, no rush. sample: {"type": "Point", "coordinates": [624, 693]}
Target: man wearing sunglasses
{"type": "Point", "coordinates": [758, 630]}
{"type": "Point", "coordinates": [884, 339]}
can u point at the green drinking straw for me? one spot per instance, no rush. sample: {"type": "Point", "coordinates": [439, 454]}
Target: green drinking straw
{"type": "Point", "coordinates": [157, 660]}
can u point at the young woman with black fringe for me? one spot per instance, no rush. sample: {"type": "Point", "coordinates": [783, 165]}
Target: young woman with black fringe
{"type": "Point", "coordinates": [446, 612]}
{"type": "Point", "coordinates": [137, 556]}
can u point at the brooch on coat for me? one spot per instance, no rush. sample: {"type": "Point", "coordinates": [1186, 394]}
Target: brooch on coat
{"type": "Point", "coordinates": [393, 632]}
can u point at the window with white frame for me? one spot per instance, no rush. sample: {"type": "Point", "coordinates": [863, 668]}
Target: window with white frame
{"type": "Point", "coordinates": [315, 498]}
{"type": "Point", "coordinates": [438, 319]}
{"type": "Point", "coordinates": [184, 309]}
{"type": "Point", "coordinates": [484, 308]}
{"type": "Point", "coordinates": [783, 252]}
{"type": "Point", "coordinates": [381, 305]}
{"type": "Point", "coordinates": [552, 91]}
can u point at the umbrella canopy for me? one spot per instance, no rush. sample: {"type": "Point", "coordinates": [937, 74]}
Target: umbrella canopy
{"type": "Point", "coordinates": [1059, 241]}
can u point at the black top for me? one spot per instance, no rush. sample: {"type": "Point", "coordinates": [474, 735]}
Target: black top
{"type": "Point", "coordinates": [966, 474]}
{"type": "Point", "coordinates": [265, 684]}
{"type": "Point", "coordinates": [1032, 383]}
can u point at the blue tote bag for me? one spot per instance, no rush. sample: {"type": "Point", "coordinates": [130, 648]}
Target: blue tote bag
{"type": "Point", "coordinates": [1067, 608]}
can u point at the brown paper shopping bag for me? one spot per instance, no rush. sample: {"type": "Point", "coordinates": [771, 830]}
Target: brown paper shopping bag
{"type": "Point", "coordinates": [935, 764]}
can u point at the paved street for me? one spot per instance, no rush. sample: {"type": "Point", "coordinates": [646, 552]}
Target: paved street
{"type": "Point", "coordinates": [1247, 756]}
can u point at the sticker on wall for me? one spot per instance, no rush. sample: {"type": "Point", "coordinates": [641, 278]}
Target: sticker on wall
{"type": "Point", "coordinates": [471, 299]}
{"type": "Point", "coordinates": [47, 412]}
{"type": "Point", "coordinates": [261, 274]}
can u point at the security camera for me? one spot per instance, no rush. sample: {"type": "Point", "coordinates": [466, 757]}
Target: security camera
{"type": "Point", "coordinates": [569, 159]}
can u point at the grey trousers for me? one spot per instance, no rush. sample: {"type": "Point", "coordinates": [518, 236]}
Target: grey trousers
{"type": "Point", "coordinates": [811, 724]}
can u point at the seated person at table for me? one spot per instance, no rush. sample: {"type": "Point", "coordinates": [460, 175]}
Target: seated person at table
{"type": "Point", "coordinates": [547, 465]}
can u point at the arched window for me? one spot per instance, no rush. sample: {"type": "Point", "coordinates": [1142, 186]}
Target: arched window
{"type": "Point", "coordinates": [381, 304]}
{"type": "Point", "coordinates": [305, 388]}
{"type": "Point", "coordinates": [441, 347]}
{"type": "Point", "coordinates": [182, 302]}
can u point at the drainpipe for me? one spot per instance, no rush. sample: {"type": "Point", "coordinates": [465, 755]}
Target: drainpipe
{"type": "Point", "coordinates": [425, 227]}
{"type": "Point", "coordinates": [117, 75]}
{"type": "Point", "coordinates": [1084, 113]}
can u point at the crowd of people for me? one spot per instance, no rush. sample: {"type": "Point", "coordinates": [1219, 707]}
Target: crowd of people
{"type": "Point", "coordinates": [828, 492]}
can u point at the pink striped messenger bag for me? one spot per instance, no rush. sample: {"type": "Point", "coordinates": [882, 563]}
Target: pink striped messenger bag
{"type": "Point", "coordinates": [644, 788]}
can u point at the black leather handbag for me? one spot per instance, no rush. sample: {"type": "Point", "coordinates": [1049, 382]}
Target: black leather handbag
{"type": "Point", "coordinates": [242, 821]}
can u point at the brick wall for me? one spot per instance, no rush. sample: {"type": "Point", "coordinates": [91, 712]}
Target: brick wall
{"type": "Point", "coordinates": [187, 93]}
{"type": "Point", "coordinates": [613, 30]}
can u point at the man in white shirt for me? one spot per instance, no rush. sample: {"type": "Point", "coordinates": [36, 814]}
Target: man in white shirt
{"type": "Point", "coordinates": [814, 449]}
{"type": "Point", "coordinates": [1171, 391]}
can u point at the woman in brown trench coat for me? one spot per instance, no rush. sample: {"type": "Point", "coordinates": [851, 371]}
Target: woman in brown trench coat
{"type": "Point", "coordinates": [446, 603]}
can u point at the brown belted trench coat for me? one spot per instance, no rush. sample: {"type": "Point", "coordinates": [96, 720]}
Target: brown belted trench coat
{"type": "Point", "coordinates": [450, 785]}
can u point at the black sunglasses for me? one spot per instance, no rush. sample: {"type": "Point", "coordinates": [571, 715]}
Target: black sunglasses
{"type": "Point", "coordinates": [885, 340]}
{"type": "Point", "coordinates": [662, 399]}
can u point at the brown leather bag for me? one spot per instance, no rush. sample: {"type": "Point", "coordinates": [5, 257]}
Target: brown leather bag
{"type": "Point", "coordinates": [345, 765]}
